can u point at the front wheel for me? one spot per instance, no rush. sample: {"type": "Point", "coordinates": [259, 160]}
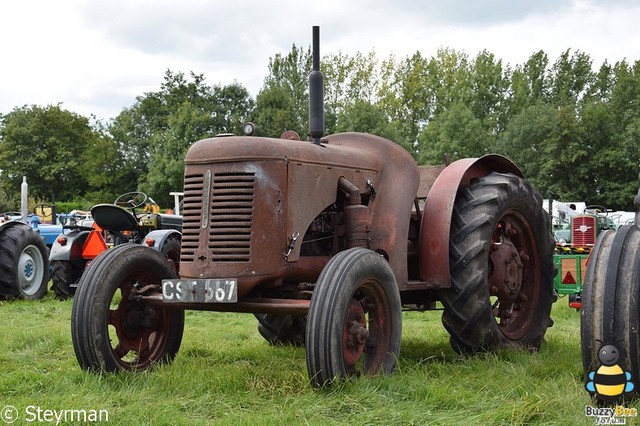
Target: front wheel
{"type": "Point", "coordinates": [111, 329]}
{"type": "Point", "coordinates": [501, 261]}
{"type": "Point", "coordinates": [24, 263]}
{"type": "Point", "coordinates": [354, 325]}
{"type": "Point", "coordinates": [611, 303]}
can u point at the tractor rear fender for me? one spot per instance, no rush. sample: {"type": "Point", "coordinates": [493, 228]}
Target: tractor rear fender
{"type": "Point", "coordinates": [436, 219]}
{"type": "Point", "coordinates": [156, 239]}
{"type": "Point", "coordinates": [13, 223]}
{"type": "Point", "coordinates": [72, 248]}
{"type": "Point", "coordinates": [7, 225]}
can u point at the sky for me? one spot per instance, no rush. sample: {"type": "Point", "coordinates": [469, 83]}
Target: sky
{"type": "Point", "coordinates": [94, 57]}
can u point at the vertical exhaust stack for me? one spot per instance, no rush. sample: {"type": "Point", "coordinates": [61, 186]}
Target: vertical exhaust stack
{"type": "Point", "coordinates": [24, 199]}
{"type": "Point", "coordinates": [316, 93]}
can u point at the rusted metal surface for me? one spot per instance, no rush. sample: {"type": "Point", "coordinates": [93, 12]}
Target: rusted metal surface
{"type": "Point", "coordinates": [248, 305]}
{"type": "Point", "coordinates": [366, 330]}
{"type": "Point", "coordinates": [355, 333]}
{"type": "Point", "coordinates": [290, 135]}
{"type": "Point", "coordinates": [140, 332]}
{"type": "Point", "coordinates": [514, 280]}
{"type": "Point", "coordinates": [249, 201]}
{"type": "Point", "coordinates": [506, 276]}
{"type": "Point", "coordinates": [428, 175]}
{"type": "Point", "coordinates": [436, 221]}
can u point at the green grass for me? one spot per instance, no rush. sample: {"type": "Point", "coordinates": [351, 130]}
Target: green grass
{"type": "Point", "coordinates": [225, 373]}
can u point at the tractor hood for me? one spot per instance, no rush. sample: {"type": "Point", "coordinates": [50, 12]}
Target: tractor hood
{"type": "Point", "coordinates": [345, 150]}
{"type": "Point", "coordinates": [265, 192]}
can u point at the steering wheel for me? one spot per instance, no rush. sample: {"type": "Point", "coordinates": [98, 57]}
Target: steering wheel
{"type": "Point", "coordinates": [132, 200]}
{"type": "Point", "coordinates": [598, 208]}
{"type": "Point", "coordinates": [41, 207]}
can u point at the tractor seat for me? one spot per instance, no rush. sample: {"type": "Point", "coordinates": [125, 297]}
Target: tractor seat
{"type": "Point", "coordinates": [113, 218]}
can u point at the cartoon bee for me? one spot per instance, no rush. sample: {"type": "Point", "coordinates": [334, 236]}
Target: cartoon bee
{"type": "Point", "coordinates": [609, 381]}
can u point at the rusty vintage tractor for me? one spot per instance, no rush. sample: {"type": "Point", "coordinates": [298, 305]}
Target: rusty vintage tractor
{"type": "Point", "coordinates": [327, 241]}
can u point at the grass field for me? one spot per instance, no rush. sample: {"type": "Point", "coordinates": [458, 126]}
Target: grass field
{"type": "Point", "coordinates": [225, 373]}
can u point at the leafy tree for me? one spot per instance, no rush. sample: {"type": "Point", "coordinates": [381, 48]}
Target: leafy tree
{"type": "Point", "coordinates": [546, 141]}
{"type": "Point", "coordinates": [489, 88]}
{"type": "Point", "coordinates": [365, 117]}
{"type": "Point", "coordinates": [525, 141]}
{"type": "Point", "coordinates": [154, 134]}
{"type": "Point", "coordinates": [455, 133]}
{"type": "Point", "coordinates": [169, 147]}
{"type": "Point", "coordinates": [616, 188]}
{"type": "Point", "coordinates": [275, 113]}
{"type": "Point", "coordinates": [105, 169]}
{"type": "Point", "coordinates": [415, 96]}
{"type": "Point", "coordinates": [45, 144]}
{"type": "Point", "coordinates": [283, 102]}
{"type": "Point", "coordinates": [451, 77]}
{"type": "Point", "coordinates": [536, 71]}
{"type": "Point", "coordinates": [135, 127]}
{"type": "Point", "coordinates": [231, 106]}
{"type": "Point", "coordinates": [612, 127]}
{"type": "Point", "coordinates": [519, 93]}
{"type": "Point", "coordinates": [7, 202]}
{"type": "Point", "coordinates": [348, 79]}
{"type": "Point", "coordinates": [571, 78]}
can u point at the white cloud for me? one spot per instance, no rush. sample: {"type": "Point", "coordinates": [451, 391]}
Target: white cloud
{"type": "Point", "coordinates": [96, 57]}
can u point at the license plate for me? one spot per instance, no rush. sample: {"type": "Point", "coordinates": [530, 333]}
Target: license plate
{"type": "Point", "coordinates": [200, 291]}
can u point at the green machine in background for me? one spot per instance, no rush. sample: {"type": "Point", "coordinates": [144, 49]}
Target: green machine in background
{"type": "Point", "coordinates": [573, 246]}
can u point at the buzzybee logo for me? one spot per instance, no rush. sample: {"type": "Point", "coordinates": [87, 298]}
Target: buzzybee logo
{"type": "Point", "coordinates": [609, 381]}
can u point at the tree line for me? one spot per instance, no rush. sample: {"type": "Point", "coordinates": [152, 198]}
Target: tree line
{"type": "Point", "coordinates": [572, 128]}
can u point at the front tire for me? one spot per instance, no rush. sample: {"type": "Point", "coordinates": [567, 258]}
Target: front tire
{"type": "Point", "coordinates": [24, 263]}
{"type": "Point", "coordinates": [611, 300]}
{"type": "Point", "coordinates": [112, 331]}
{"type": "Point", "coordinates": [355, 321]}
{"type": "Point", "coordinates": [501, 260]}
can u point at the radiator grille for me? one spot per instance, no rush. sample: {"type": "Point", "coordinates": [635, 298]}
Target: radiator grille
{"type": "Point", "coordinates": [191, 216]}
{"type": "Point", "coordinates": [229, 215]}
{"type": "Point", "coordinates": [583, 231]}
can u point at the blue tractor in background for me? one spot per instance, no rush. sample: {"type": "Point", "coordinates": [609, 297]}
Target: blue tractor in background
{"type": "Point", "coordinates": [24, 260]}
{"type": "Point", "coordinates": [24, 251]}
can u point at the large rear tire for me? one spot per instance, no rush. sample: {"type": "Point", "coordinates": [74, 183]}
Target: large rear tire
{"type": "Point", "coordinates": [171, 250]}
{"type": "Point", "coordinates": [611, 300]}
{"type": "Point", "coordinates": [112, 331]}
{"type": "Point", "coordinates": [64, 278]}
{"type": "Point", "coordinates": [282, 329]}
{"type": "Point", "coordinates": [24, 263]}
{"type": "Point", "coordinates": [355, 320]}
{"type": "Point", "coordinates": [501, 260]}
